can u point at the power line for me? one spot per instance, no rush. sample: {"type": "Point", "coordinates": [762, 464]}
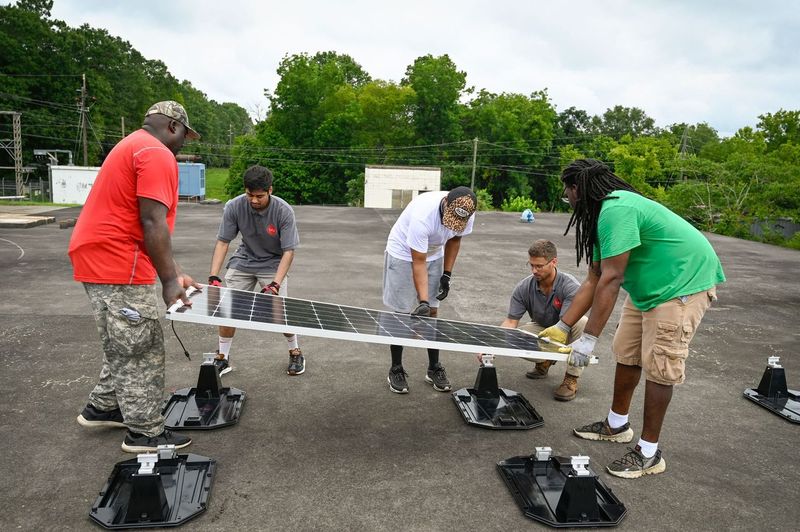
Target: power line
{"type": "Point", "coordinates": [41, 75]}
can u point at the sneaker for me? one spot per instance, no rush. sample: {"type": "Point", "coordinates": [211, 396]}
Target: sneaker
{"type": "Point", "coordinates": [297, 362]}
{"type": "Point", "coordinates": [438, 377]}
{"type": "Point", "coordinates": [601, 431]}
{"type": "Point", "coordinates": [92, 417]}
{"type": "Point", "coordinates": [222, 365]}
{"type": "Point", "coordinates": [568, 389]}
{"type": "Point", "coordinates": [139, 443]}
{"type": "Point", "coordinates": [540, 370]}
{"type": "Point", "coordinates": [634, 465]}
{"type": "Point", "coordinates": [397, 379]}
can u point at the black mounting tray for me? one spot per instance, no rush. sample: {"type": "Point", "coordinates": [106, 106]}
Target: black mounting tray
{"type": "Point", "coordinates": [546, 492]}
{"type": "Point", "coordinates": [773, 395]}
{"type": "Point", "coordinates": [207, 406]}
{"type": "Point", "coordinates": [177, 491]}
{"type": "Point", "coordinates": [488, 406]}
{"type": "Point", "coordinates": [787, 406]}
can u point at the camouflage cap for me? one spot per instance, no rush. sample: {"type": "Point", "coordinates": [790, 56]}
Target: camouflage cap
{"type": "Point", "coordinates": [175, 111]}
{"type": "Point", "coordinates": [461, 204]}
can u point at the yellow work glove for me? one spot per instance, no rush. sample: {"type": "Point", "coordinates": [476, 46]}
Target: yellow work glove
{"type": "Point", "coordinates": [558, 332]}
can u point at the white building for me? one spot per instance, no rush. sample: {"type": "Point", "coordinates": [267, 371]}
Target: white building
{"type": "Point", "coordinates": [71, 184]}
{"type": "Point", "coordinates": [393, 187]}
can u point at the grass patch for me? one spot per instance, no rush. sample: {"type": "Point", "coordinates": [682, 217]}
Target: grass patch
{"type": "Point", "coordinates": [215, 183]}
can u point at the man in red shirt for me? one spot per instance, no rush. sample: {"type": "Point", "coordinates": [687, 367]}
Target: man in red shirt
{"type": "Point", "coordinates": [121, 242]}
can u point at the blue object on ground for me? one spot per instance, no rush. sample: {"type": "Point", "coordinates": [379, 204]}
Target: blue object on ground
{"type": "Point", "coordinates": [527, 216]}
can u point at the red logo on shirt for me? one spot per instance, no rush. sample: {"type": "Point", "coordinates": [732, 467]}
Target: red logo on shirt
{"type": "Point", "coordinates": [557, 303]}
{"type": "Point", "coordinates": [271, 230]}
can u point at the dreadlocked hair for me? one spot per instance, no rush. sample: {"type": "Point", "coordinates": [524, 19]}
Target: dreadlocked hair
{"type": "Point", "coordinates": [595, 180]}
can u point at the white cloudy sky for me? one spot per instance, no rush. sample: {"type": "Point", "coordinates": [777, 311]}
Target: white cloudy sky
{"type": "Point", "coordinates": [721, 62]}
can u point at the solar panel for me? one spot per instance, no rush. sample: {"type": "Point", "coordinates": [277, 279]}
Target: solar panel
{"type": "Point", "coordinates": [214, 305]}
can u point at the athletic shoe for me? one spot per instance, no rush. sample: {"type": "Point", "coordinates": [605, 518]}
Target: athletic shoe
{"type": "Point", "coordinates": [397, 380]}
{"type": "Point", "coordinates": [297, 362]}
{"type": "Point", "coordinates": [92, 417]}
{"type": "Point", "coordinates": [634, 464]}
{"type": "Point", "coordinates": [222, 365]}
{"type": "Point", "coordinates": [139, 443]}
{"type": "Point", "coordinates": [601, 431]}
{"type": "Point", "coordinates": [540, 370]}
{"type": "Point", "coordinates": [438, 378]}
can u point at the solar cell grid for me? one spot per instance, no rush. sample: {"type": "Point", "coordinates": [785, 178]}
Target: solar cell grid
{"type": "Point", "coordinates": [250, 310]}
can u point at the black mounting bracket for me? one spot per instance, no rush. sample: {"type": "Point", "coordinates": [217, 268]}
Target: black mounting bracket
{"type": "Point", "coordinates": [155, 490]}
{"type": "Point", "coordinates": [489, 406]}
{"type": "Point", "coordinates": [207, 406]}
{"type": "Point", "coordinates": [560, 491]}
{"type": "Point", "coordinates": [773, 394]}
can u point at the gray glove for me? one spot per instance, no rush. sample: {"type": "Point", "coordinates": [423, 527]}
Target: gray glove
{"type": "Point", "coordinates": [581, 350]}
{"type": "Point", "coordinates": [423, 310]}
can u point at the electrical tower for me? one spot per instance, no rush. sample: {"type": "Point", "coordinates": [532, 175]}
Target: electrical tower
{"type": "Point", "coordinates": [13, 147]}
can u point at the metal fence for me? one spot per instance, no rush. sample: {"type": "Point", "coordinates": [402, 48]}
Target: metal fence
{"type": "Point", "coordinates": [34, 189]}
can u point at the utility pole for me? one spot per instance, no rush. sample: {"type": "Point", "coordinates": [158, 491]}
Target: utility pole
{"type": "Point", "coordinates": [684, 149]}
{"type": "Point", "coordinates": [84, 124]}
{"type": "Point", "coordinates": [14, 147]}
{"type": "Point", "coordinates": [474, 159]}
{"type": "Point", "coordinates": [122, 125]}
{"type": "Point", "coordinates": [230, 136]}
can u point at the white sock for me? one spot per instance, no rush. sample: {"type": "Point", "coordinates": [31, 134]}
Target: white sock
{"type": "Point", "coordinates": [292, 341]}
{"type": "Point", "coordinates": [648, 449]}
{"type": "Point", "coordinates": [615, 420]}
{"type": "Point", "coordinates": [225, 346]}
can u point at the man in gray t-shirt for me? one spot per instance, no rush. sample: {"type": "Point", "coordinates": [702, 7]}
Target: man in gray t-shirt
{"type": "Point", "coordinates": [545, 296]}
{"type": "Point", "coordinates": [263, 259]}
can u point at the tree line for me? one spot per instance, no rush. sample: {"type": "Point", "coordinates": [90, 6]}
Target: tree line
{"type": "Point", "coordinates": [327, 118]}
{"type": "Point", "coordinates": [42, 62]}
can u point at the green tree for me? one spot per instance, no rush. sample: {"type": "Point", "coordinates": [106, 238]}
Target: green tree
{"type": "Point", "coordinates": [438, 85]}
{"type": "Point", "coordinates": [779, 128]}
{"type": "Point", "coordinates": [41, 66]}
{"type": "Point", "coordinates": [297, 105]}
{"type": "Point", "coordinates": [620, 121]}
{"type": "Point", "coordinates": [519, 133]}
{"type": "Point", "coordinates": [642, 162]}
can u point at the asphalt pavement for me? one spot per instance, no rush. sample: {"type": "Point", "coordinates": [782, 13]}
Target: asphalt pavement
{"type": "Point", "coordinates": [333, 449]}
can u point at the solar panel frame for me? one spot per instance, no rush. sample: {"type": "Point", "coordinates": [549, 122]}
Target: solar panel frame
{"type": "Point", "coordinates": [271, 313]}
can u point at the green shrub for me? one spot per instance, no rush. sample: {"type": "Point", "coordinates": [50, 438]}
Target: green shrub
{"type": "Point", "coordinates": [484, 199]}
{"type": "Point", "coordinates": [519, 204]}
{"type": "Point", "coordinates": [794, 242]}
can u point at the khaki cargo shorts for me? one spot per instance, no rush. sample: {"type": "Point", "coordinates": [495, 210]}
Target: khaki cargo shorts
{"type": "Point", "coordinates": [658, 340]}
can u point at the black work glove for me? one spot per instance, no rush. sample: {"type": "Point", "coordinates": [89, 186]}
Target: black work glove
{"type": "Point", "coordinates": [423, 310]}
{"type": "Point", "coordinates": [272, 289]}
{"type": "Point", "coordinates": [213, 280]}
{"type": "Point", "coordinates": [444, 286]}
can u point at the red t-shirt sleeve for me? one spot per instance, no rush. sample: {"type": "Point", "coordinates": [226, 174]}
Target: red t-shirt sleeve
{"type": "Point", "coordinates": [156, 175]}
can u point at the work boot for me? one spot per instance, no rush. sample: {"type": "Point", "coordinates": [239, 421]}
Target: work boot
{"type": "Point", "coordinates": [540, 370]}
{"type": "Point", "coordinates": [568, 389]}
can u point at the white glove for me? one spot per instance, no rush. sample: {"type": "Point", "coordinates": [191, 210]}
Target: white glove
{"type": "Point", "coordinates": [581, 350]}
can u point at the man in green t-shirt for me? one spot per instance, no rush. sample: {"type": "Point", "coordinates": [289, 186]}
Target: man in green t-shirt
{"type": "Point", "coordinates": [670, 272]}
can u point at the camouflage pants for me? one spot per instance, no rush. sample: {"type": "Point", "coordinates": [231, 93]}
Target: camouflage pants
{"type": "Point", "coordinates": [132, 377]}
